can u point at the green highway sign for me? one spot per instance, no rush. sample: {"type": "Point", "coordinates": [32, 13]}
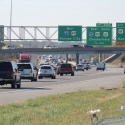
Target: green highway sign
{"type": "Point", "coordinates": [69, 33]}
{"type": "Point", "coordinates": [99, 36]}
{"type": "Point", "coordinates": [120, 33]}
{"type": "Point", "coordinates": [104, 24]}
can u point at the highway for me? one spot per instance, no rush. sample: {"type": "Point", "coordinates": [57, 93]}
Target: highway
{"type": "Point", "coordinates": [112, 77]}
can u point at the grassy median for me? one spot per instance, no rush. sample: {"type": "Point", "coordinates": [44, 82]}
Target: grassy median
{"type": "Point", "coordinates": [64, 109]}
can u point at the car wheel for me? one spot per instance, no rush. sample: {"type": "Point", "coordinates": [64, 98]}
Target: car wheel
{"type": "Point", "coordinates": [35, 79]}
{"type": "Point", "coordinates": [19, 84]}
{"type": "Point", "coordinates": [32, 79]}
{"type": "Point", "coordinates": [54, 77]}
{"type": "Point", "coordinates": [72, 74]}
{"type": "Point", "coordinates": [13, 85]}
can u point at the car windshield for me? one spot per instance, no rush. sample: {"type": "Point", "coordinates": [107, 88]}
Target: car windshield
{"type": "Point", "coordinates": [79, 65]}
{"type": "Point", "coordinates": [24, 66]}
{"type": "Point", "coordinates": [66, 65]}
{"type": "Point", "coordinates": [5, 66]}
{"type": "Point", "coordinates": [45, 67]}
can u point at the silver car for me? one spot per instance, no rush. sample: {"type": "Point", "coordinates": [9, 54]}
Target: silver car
{"type": "Point", "coordinates": [28, 71]}
{"type": "Point", "coordinates": [79, 67]}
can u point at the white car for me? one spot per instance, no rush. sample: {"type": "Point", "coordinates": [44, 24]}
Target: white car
{"type": "Point", "coordinates": [89, 65]}
{"type": "Point", "coordinates": [28, 71]}
{"type": "Point", "coordinates": [86, 66]}
{"type": "Point", "coordinates": [79, 67]}
{"type": "Point", "coordinates": [9, 47]}
{"type": "Point", "coordinates": [47, 47]}
{"type": "Point", "coordinates": [47, 71]}
{"type": "Point", "coordinates": [100, 66]}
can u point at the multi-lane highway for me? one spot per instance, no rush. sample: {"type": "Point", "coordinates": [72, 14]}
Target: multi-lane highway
{"type": "Point", "coordinates": [112, 77]}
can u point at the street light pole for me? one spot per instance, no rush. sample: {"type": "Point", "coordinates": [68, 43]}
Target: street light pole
{"type": "Point", "coordinates": [10, 20]}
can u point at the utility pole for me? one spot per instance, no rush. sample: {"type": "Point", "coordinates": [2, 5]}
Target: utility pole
{"type": "Point", "coordinates": [10, 20]}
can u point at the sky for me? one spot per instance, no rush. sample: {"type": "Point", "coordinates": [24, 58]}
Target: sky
{"type": "Point", "coordinates": [61, 12]}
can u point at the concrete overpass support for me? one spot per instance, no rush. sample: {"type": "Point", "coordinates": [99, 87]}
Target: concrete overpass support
{"type": "Point", "coordinates": [100, 57]}
{"type": "Point", "coordinates": [77, 58]}
{"type": "Point", "coordinates": [66, 58]}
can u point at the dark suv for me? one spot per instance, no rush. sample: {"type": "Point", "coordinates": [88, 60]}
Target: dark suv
{"type": "Point", "coordinates": [9, 74]}
{"type": "Point", "coordinates": [76, 46]}
{"type": "Point", "coordinates": [66, 68]}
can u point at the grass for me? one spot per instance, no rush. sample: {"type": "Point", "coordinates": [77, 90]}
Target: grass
{"type": "Point", "coordinates": [64, 109]}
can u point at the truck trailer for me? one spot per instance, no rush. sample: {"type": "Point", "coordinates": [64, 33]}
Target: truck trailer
{"type": "Point", "coordinates": [24, 58]}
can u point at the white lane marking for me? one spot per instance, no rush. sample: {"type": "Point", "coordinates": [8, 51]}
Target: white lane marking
{"type": "Point", "coordinates": [78, 81]}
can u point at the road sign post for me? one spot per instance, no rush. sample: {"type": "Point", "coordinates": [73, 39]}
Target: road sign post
{"type": "Point", "coordinates": [69, 33]}
{"type": "Point", "coordinates": [99, 36]}
{"type": "Point", "coordinates": [1, 33]}
{"type": "Point", "coordinates": [120, 33]}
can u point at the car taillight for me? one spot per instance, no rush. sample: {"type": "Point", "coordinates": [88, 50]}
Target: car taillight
{"type": "Point", "coordinates": [60, 68]}
{"type": "Point", "coordinates": [12, 73]}
{"type": "Point", "coordinates": [31, 71]}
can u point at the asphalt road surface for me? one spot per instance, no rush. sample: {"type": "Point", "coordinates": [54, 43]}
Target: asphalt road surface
{"type": "Point", "coordinates": [112, 77]}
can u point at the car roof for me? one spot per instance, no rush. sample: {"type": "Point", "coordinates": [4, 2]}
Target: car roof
{"type": "Point", "coordinates": [25, 63]}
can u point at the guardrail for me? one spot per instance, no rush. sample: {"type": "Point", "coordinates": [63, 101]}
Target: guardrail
{"type": "Point", "coordinates": [112, 121]}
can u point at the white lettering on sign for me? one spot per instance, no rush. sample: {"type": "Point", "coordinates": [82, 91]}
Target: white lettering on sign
{"type": "Point", "coordinates": [69, 28]}
{"type": "Point", "coordinates": [105, 28]}
{"type": "Point", "coordinates": [93, 28]}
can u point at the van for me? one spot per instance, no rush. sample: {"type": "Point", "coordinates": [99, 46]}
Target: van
{"type": "Point", "coordinates": [100, 66]}
{"type": "Point", "coordinates": [9, 74]}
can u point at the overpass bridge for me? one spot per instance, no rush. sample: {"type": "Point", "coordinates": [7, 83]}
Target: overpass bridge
{"type": "Point", "coordinates": [95, 50]}
{"type": "Point", "coordinates": [77, 51]}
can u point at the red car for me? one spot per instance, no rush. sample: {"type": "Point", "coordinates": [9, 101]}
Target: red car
{"type": "Point", "coordinates": [66, 68]}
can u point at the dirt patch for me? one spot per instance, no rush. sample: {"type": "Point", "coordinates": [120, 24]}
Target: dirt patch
{"type": "Point", "coordinates": [109, 97]}
{"type": "Point", "coordinates": [119, 61]}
